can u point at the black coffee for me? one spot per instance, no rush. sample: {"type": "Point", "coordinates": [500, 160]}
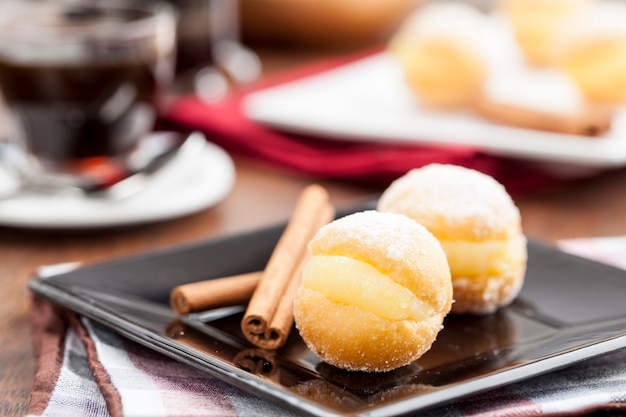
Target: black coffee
{"type": "Point", "coordinates": [71, 112]}
{"type": "Point", "coordinates": [95, 105]}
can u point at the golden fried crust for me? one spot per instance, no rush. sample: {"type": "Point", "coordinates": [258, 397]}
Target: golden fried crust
{"type": "Point", "coordinates": [350, 338]}
{"type": "Point", "coordinates": [356, 336]}
{"type": "Point", "coordinates": [487, 294]}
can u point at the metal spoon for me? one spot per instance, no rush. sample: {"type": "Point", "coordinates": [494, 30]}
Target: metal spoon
{"type": "Point", "coordinates": [147, 165]}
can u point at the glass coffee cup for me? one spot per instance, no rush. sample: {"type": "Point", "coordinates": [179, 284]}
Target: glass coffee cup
{"type": "Point", "coordinates": [82, 84]}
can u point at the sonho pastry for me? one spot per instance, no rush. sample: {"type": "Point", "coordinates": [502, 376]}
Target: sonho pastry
{"type": "Point", "coordinates": [479, 228]}
{"type": "Point", "coordinates": [374, 292]}
{"type": "Point", "coordinates": [441, 52]}
{"type": "Point", "coordinates": [536, 23]}
{"type": "Point", "coordinates": [592, 51]}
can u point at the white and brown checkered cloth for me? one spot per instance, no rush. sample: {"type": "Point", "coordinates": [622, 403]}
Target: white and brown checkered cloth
{"type": "Point", "coordinates": [84, 369]}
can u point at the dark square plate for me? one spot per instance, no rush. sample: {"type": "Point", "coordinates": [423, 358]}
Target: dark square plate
{"type": "Point", "coordinates": [570, 309]}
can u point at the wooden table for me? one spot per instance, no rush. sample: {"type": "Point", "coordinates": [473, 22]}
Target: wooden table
{"type": "Point", "coordinates": [595, 207]}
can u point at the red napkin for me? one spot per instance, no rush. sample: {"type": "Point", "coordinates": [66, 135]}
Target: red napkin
{"type": "Point", "coordinates": [374, 164]}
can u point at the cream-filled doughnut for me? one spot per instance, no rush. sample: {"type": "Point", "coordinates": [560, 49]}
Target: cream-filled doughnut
{"type": "Point", "coordinates": [374, 292]}
{"type": "Point", "coordinates": [479, 228]}
{"type": "Point", "coordinates": [592, 51]}
{"type": "Point", "coordinates": [441, 50]}
{"type": "Point", "coordinates": [537, 23]}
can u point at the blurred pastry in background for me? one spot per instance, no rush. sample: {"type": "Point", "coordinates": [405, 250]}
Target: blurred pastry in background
{"type": "Point", "coordinates": [535, 23]}
{"type": "Point", "coordinates": [440, 48]}
{"type": "Point", "coordinates": [592, 51]}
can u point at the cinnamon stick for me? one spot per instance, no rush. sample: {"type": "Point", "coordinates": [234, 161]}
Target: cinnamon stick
{"type": "Point", "coordinates": [590, 120]}
{"type": "Point", "coordinates": [283, 316]}
{"type": "Point", "coordinates": [214, 293]}
{"type": "Point", "coordinates": [269, 316]}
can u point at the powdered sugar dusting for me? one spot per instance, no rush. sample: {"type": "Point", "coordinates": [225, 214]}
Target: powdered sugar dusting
{"type": "Point", "coordinates": [371, 228]}
{"type": "Point", "coordinates": [450, 199]}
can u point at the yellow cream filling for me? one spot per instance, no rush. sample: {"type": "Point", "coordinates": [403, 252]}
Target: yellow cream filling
{"type": "Point", "coordinates": [348, 281]}
{"type": "Point", "coordinates": [492, 258]}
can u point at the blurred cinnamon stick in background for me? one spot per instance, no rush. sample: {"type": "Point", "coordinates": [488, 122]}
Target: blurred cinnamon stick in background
{"type": "Point", "coordinates": [591, 120]}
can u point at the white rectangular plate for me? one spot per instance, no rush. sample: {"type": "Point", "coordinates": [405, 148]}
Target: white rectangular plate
{"type": "Point", "coordinates": [367, 100]}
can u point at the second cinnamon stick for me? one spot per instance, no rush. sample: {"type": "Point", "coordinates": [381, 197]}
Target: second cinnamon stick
{"type": "Point", "coordinates": [214, 293]}
{"type": "Point", "coordinates": [311, 212]}
{"type": "Point", "coordinates": [590, 120]}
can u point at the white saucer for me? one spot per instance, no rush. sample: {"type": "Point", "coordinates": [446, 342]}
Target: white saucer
{"type": "Point", "coordinates": [186, 189]}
